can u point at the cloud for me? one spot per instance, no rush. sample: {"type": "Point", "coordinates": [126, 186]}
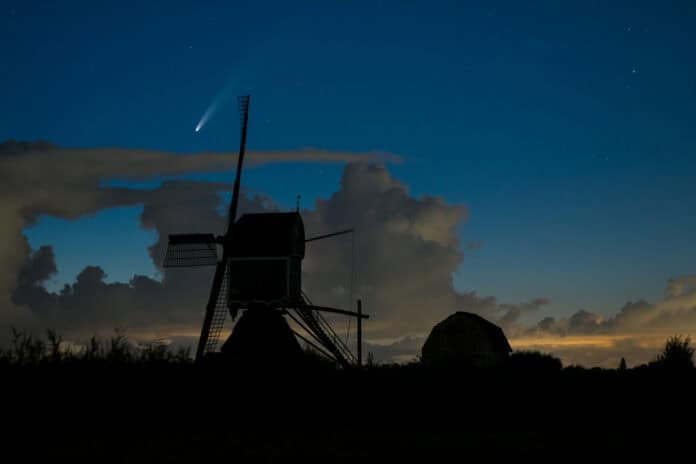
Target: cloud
{"type": "Point", "coordinates": [174, 303]}
{"type": "Point", "coordinates": [675, 312]}
{"type": "Point", "coordinates": [506, 315]}
{"type": "Point", "coordinates": [637, 331]}
{"type": "Point", "coordinates": [40, 265]}
{"type": "Point", "coordinates": [39, 178]}
{"type": "Point", "coordinates": [680, 286]}
{"type": "Point", "coordinates": [26, 161]}
{"type": "Point", "coordinates": [595, 350]}
{"type": "Point", "coordinates": [406, 250]}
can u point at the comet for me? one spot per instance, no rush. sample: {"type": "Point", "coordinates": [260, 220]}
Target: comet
{"type": "Point", "coordinates": [224, 95]}
{"type": "Point", "coordinates": [210, 111]}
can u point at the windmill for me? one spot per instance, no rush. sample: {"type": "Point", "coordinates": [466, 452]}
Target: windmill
{"type": "Point", "coordinates": [259, 270]}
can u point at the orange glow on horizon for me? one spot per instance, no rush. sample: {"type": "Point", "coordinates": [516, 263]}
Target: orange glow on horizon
{"type": "Point", "coordinates": [589, 341]}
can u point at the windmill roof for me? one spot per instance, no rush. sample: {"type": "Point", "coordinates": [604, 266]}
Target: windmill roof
{"type": "Point", "coordinates": [268, 235]}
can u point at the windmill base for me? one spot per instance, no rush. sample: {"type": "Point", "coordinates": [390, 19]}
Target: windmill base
{"type": "Point", "coordinates": [262, 338]}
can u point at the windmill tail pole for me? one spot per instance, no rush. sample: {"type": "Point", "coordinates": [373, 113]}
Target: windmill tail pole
{"type": "Point", "coordinates": [360, 333]}
{"type": "Point", "coordinates": [243, 119]}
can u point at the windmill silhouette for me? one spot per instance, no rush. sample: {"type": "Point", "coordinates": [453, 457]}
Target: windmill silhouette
{"type": "Point", "coordinates": [259, 270]}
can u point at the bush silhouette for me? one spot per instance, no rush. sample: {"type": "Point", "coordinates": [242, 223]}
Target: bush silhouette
{"type": "Point", "coordinates": [677, 354]}
{"type": "Point", "coordinates": [534, 361]}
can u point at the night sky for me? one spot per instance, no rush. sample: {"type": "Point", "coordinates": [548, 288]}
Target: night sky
{"type": "Point", "coordinates": [566, 130]}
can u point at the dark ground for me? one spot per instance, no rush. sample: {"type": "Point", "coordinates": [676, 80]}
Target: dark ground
{"type": "Point", "coordinates": [102, 412]}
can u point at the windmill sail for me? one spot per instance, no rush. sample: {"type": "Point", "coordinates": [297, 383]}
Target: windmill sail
{"type": "Point", "coordinates": [218, 301]}
{"type": "Point", "coordinates": [187, 250]}
{"type": "Point", "coordinates": [215, 313]}
{"type": "Point", "coordinates": [243, 120]}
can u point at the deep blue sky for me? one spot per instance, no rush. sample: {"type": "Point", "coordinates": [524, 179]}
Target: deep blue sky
{"type": "Point", "coordinates": [567, 128]}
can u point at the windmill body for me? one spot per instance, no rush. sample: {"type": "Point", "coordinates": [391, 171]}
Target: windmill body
{"type": "Point", "coordinates": [259, 270]}
{"type": "Point", "coordinates": [265, 260]}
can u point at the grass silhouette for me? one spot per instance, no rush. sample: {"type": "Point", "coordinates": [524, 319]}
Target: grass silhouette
{"type": "Point", "coordinates": [27, 349]}
{"type": "Point", "coordinates": [147, 402]}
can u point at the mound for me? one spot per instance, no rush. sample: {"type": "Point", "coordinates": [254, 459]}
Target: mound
{"type": "Point", "coordinates": [465, 339]}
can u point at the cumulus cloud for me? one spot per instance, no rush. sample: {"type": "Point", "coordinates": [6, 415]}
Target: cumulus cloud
{"type": "Point", "coordinates": [636, 331]}
{"type": "Point", "coordinates": [507, 315]}
{"type": "Point", "coordinates": [174, 303]}
{"type": "Point", "coordinates": [406, 249]}
{"type": "Point", "coordinates": [40, 178]}
{"type": "Point", "coordinates": [680, 285]}
{"type": "Point", "coordinates": [675, 312]}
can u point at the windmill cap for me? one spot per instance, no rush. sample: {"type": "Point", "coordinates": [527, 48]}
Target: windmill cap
{"type": "Point", "coordinates": [268, 235]}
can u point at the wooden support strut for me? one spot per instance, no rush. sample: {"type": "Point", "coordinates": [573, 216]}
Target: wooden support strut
{"type": "Point", "coordinates": [334, 234]}
{"type": "Point", "coordinates": [338, 311]}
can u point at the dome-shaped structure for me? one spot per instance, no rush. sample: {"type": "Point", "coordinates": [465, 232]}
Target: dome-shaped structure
{"type": "Point", "coordinates": [465, 339]}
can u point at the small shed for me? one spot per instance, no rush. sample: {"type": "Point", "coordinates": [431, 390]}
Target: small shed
{"type": "Point", "coordinates": [465, 339]}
